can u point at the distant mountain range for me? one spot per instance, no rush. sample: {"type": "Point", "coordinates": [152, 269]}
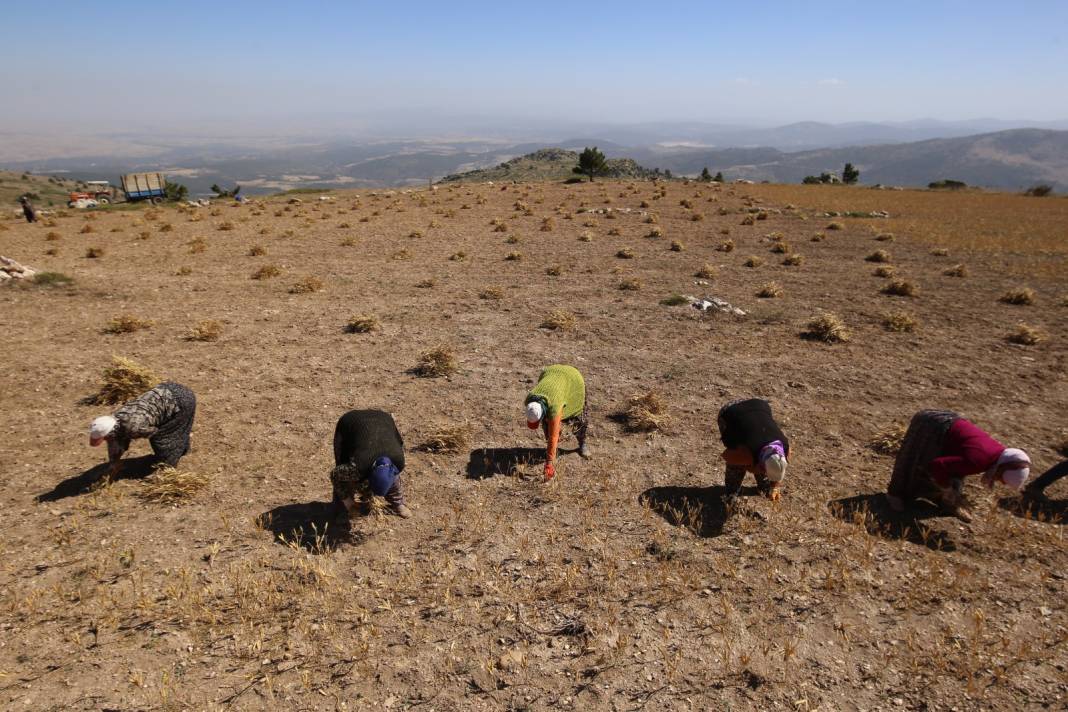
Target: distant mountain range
{"type": "Point", "coordinates": [1007, 159]}
{"type": "Point", "coordinates": [1010, 159]}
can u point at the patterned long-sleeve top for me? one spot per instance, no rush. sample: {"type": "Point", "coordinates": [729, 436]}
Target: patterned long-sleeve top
{"type": "Point", "coordinates": [141, 418]}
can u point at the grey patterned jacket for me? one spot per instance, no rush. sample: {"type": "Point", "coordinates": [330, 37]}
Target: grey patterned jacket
{"type": "Point", "coordinates": [141, 418]}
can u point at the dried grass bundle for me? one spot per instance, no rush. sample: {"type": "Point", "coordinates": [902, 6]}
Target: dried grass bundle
{"type": "Point", "coordinates": [645, 413]}
{"type": "Point", "coordinates": [126, 324]}
{"type": "Point", "coordinates": [436, 362]}
{"type": "Point", "coordinates": [827, 327]}
{"type": "Point", "coordinates": [449, 440]}
{"type": "Point", "coordinates": [207, 330]}
{"type": "Point", "coordinates": [168, 485]}
{"type": "Point", "coordinates": [888, 440]}
{"type": "Point", "coordinates": [559, 320]}
{"type": "Point", "coordinates": [123, 379]}
{"type": "Point", "coordinates": [363, 324]}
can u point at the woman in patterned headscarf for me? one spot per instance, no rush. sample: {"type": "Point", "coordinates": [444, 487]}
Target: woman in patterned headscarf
{"type": "Point", "coordinates": [164, 415]}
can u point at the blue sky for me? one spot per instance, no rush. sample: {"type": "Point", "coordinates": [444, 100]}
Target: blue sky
{"type": "Point", "coordinates": [266, 62]}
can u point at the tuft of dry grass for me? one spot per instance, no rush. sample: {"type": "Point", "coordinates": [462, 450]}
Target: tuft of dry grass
{"type": "Point", "coordinates": [748, 220]}
{"type": "Point", "coordinates": [899, 322]}
{"type": "Point", "coordinates": [207, 330]}
{"type": "Point", "coordinates": [458, 256]}
{"type": "Point", "coordinates": [900, 288]}
{"type": "Point", "coordinates": [753, 261]}
{"type": "Point", "coordinates": [548, 225]}
{"type": "Point", "coordinates": [52, 236]}
{"type": "Point", "coordinates": [956, 271]}
{"type": "Point", "coordinates": [780, 248]}
{"type": "Point", "coordinates": [402, 254]}
{"type": "Point", "coordinates": [677, 246]}
{"type": "Point", "coordinates": [884, 237]}
{"type": "Point", "coordinates": [818, 237]}
{"type": "Point", "coordinates": [86, 229]}
{"type": "Point", "coordinates": [625, 253]}
{"type": "Point", "coordinates": [363, 324]}
{"type": "Point", "coordinates": [122, 380]}
{"type": "Point", "coordinates": [726, 246]}
{"type": "Point", "coordinates": [514, 257]}
{"type": "Point", "coordinates": [614, 232]}
{"type": "Point", "coordinates": [171, 486]}
{"type": "Point", "coordinates": [706, 271]}
{"type": "Point", "coordinates": [645, 413]}
{"type": "Point", "coordinates": [307, 285]}
{"type": "Point", "coordinates": [127, 324]}
{"type": "Point", "coordinates": [93, 253]}
{"type": "Point", "coordinates": [835, 226]}
{"type": "Point", "coordinates": [1020, 296]}
{"type": "Point", "coordinates": [559, 320]}
{"type": "Point", "coordinates": [491, 293]}
{"type": "Point", "coordinates": [197, 245]}
{"type": "Point", "coordinates": [827, 327]}
{"type": "Point", "coordinates": [428, 283]}
{"type": "Point", "coordinates": [554, 270]}
{"type": "Point", "coordinates": [793, 260]}
{"type": "Point", "coordinates": [878, 256]}
{"type": "Point", "coordinates": [655, 232]}
{"type": "Point", "coordinates": [257, 251]}
{"type": "Point", "coordinates": [769, 290]}
{"type": "Point", "coordinates": [884, 272]}
{"type": "Point", "coordinates": [449, 439]}
{"type": "Point", "coordinates": [1026, 335]}
{"type": "Point", "coordinates": [888, 440]}
{"type": "Point", "coordinates": [266, 272]}
{"type": "Point", "coordinates": [436, 362]}
{"type": "Point", "coordinates": [183, 271]}
{"type": "Point", "coordinates": [226, 226]}
{"type": "Point", "coordinates": [631, 284]}
{"type": "Point", "coordinates": [415, 234]}
{"type": "Point", "coordinates": [940, 252]}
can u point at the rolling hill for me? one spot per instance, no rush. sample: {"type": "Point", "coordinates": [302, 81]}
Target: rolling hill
{"type": "Point", "coordinates": [547, 164]}
{"type": "Point", "coordinates": [1006, 159]}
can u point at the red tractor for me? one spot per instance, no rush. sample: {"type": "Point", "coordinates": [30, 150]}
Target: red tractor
{"type": "Point", "coordinates": [98, 190]}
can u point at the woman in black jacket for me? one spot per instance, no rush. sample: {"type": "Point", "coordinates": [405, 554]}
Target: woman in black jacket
{"type": "Point", "coordinates": [368, 459]}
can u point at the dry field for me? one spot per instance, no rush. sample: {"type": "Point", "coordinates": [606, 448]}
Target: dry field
{"type": "Point", "coordinates": [623, 584]}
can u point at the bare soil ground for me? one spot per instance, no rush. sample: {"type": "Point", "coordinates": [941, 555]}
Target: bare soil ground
{"type": "Point", "coordinates": [621, 585]}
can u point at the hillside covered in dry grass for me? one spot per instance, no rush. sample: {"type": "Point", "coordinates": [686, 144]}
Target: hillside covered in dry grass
{"type": "Point", "coordinates": [623, 584]}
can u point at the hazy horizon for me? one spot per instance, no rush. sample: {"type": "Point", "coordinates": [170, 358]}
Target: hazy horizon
{"type": "Point", "coordinates": [474, 68]}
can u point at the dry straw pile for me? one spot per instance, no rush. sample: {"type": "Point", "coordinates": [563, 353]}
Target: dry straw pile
{"type": "Point", "coordinates": [559, 320]}
{"type": "Point", "coordinates": [123, 379]}
{"type": "Point", "coordinates": [645, 413]}
{"type": "Point", "coordinates": [888, 440]}
{"type": "Point", "coordinates": [827, 327]}
{"type": "Point", "coordinates": [449, 440]}
{"type": "Point", "coordinates": [436, 362]}
{"type": "Point", "coordinates": [126, 324]}
{"type": "Point", "coordinates": [171, 486]}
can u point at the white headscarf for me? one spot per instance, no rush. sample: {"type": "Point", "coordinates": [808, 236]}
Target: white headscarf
{"type": "Point", "coordinates": [102, 427]}
{"type": "Point", "coordinates": [775, 467]}
{"type": "Point", "coordinates": [535, 411]}
{"type": "Point", "coordinates": [1017, 475]}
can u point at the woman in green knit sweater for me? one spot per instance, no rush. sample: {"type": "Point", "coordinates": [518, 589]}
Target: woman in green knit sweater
{"type": "Point", "coordinates": [559, 396]}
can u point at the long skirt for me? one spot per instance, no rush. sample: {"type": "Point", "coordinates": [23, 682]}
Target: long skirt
{"type": "Point", "coordinates": [922, 444]}
{"type": "Point", "coordinates": [170, 442]}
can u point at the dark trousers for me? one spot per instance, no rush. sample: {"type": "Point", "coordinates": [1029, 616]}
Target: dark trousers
{"type": "Point", "coordinates": [1049, 477]}
{"type": "Point", "coordinates": [170, 442]}
{"type": "Point", "coordinates": [735, 475]}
